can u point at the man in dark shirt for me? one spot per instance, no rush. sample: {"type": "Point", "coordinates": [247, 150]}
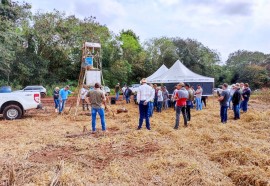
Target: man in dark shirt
{"type": "Point", "coordinates": [224, 103]}
{"type": "Point", "coordinates": [245, 94]}
{"type": "Point", "coordinates": [236, 98]}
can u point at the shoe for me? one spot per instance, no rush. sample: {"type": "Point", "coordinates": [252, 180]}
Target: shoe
{"type": "Point", "coordinates": [186, 125]}
{"type": "Point", "coordinates": [148, 129]}
{"type": "Point", "coordinates": [138, 128]}
{"type": "Point", "coordinates": [93, 132]}
{"type": "Point", "coordinates": [176, 128]}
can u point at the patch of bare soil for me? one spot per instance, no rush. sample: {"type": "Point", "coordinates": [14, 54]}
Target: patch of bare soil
{"type": "Point", "coordinates": [51, 154]}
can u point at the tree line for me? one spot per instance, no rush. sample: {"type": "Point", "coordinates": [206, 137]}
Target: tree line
{"type": "Point", "coordinates": [45, 48]}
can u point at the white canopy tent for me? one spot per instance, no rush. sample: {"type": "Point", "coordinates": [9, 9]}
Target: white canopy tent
{"type": "Point", "coordinates": [180, 73]}
{"type": "Point", "coordinates": [158, 73]}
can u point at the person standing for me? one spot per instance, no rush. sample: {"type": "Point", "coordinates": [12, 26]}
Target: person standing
{"type": "Point", "coordinates": [63, 95]}
{"type": "Point", "coordinates": [246, 94]}
{"type": "Point", "coordinates": [194, 101]}
{"type": "Point", "coordinates": [144, 95]}
{"type": "Point", "coordinates": [83, 93]}
{"type": "Point", "coordinates": [159, 99]}
{"type": "Point", "coordinates": [56, 99]}
{"type": "Point", "coordinates": [165, 95]}
{"type": "Point", "coordinates": [189, 101]}
{"type": "Point", "coordinates": [232, 90]}
{"type": "Point", "coordinates": [117, 89]}
{"type": "Point", "coordinates": [224, 103]}
{"type": "Point", "coordinates": [173, 95]}
{"type": "Point", "coordinates": [236, 98]}
{"type": "Point", "coordinates": [123, 91]}
{"type": "Point", "coordinates": [96, 98]}
{"type": "Point", "coordinates": [181, 97]}
{"type": "Point", "coordinates": [151, 103]}
{"type": "Point", "coordinates": [198, 94]}
{"type": "Point", "coordinates": [127, 94]}
{"type": "Point", "coordinates": [155, 97]}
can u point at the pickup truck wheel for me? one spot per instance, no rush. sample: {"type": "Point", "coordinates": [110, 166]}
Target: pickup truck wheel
{"type": "Point", "coordinates": [12, 112]}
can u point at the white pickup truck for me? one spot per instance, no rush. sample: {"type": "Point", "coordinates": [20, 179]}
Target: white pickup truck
{"type": "Point", "coordinates": [14, 104]}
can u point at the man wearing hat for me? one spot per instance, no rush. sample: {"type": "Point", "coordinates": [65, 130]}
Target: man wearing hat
{"type": "Point", "coordinates": [96, 97]}
{"type": "Point", "coordinates": [181, 97]}
{"type": "Point", "coordinates": [144, 95]}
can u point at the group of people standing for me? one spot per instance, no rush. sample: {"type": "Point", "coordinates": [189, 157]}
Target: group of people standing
{"type": "Point", "coordinates": [94, 97]}
{"type": "Point", "coordinates": [150, 97]}
{"type": "Point", "coordinates": [239, 96]}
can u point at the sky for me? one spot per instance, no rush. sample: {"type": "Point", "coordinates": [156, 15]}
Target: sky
{"type": "Point", "coordinates": [223, 25]}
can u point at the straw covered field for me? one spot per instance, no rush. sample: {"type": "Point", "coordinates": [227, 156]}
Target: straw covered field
{"type": "Point", "coordinates": [45, 148]}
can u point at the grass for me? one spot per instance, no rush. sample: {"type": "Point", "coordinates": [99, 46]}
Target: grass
{"type": "Point", "coordinates": [40, 149]}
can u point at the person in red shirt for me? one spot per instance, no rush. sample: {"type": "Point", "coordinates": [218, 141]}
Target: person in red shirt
{"type": "Point", "coordinates": [181, 97]}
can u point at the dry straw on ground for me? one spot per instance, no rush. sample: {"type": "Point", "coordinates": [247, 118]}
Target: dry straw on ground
{"type": "Point", "coordinates": [47, 149]}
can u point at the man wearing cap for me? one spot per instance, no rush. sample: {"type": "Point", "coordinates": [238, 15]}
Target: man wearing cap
{"type": "Point", "coordinates": [189, 100]}
{"type": "Point", "coordinates": [181, 97]}
{"type": "Point", "coordinates": [236, 98]}
{"type": "Point", "coordinates": [96, 97]}
{"type": "Point", "coordinates": [63, 96]}
{"type": "Point", "coordinates": [224, 103]}
{"type": "Point", "coordinates": [144, 95]}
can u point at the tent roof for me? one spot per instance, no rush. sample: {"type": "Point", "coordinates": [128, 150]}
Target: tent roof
{"type": "Point", "coordinates": [180, 73]}
{"type": "Point", "coordinates": [158, 73]}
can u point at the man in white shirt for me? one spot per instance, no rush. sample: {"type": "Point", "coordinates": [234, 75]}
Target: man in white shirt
{"type": "Point", "coordinates": [123, 91]}
{"type": "Point", "coordinates": [144, 95]}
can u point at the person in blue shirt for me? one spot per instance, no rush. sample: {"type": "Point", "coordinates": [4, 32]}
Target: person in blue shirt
{"type": "Point", "coordinates": [63, 96]}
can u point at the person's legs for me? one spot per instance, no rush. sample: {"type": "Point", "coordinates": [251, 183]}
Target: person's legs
{"type": "Point", "coordinates": [177, 116]}
{"type": "Point", "coordinates": [225, 114]}
{"type": "Point", "coordinates": [244, 105]}
{"type": "Point", "coordinates": [204, 102]}
{"type": "Point", "coordinates": [62, 106]}
{"type": "Point", "coordinates": [237, 110]}
{"type": "Point", "coordinates": [101, 113]}
{"type": "Point", "coordinates": [141, 114]}
{"type": "Point", "coordinates": [117, 96]}
{"type": "Point", "coordinates": [56, 105]}
{"type": "Point", "coordinates": [230, 99]}
{"type": "Point", "coordinates": [188, 112]}
{"type": "Point", "coordinates": [234, 111]}
{"type": "Point", "coordinates": [198, 104]}
{"type": "Point", "coordinates": [94, 114]}
{"type": "Point", "coordinates": [183, 110]}
{"type": "Point", "coordinates": [146, 115]}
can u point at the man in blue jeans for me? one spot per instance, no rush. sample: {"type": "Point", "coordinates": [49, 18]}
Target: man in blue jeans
{"type": "Point", "coordinates": [96, 97]}
{"type": "Point", "coordinates": [144, 95]}
{"type": "Point", "coordinates": [63, 96]}
{"type": "Point", "coordinates": [224, 103]}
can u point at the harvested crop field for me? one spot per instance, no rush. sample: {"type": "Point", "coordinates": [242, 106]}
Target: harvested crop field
{"type": "Point", "coordinates": [45, 148]}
